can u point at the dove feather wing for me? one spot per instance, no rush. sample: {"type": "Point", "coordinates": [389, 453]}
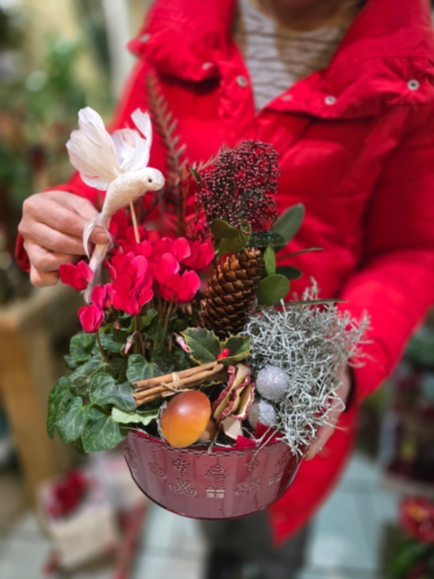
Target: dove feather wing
{"type": "Point", "coordinates": [143, 123]}
{"type": "Point", "coordinates": [92, 151]}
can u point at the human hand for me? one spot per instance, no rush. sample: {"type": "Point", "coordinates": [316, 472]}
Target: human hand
{"type": "Point", "coordinates": [324, 432]}
{"type": "Point", "coordinates": [52, 227]}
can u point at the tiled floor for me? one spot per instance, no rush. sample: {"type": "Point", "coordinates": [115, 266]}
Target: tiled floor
{"type": "Point", "coordinates": [345, 541]}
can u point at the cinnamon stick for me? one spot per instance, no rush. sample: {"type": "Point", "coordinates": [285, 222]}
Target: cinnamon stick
{"type": "Point", "coordinates": [151, 382]}
{"type": "Point", "coordinates": [171, 387]}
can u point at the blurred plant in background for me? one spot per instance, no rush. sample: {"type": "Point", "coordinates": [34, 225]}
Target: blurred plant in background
{"type": "Point", "coordinates": [38, 111]}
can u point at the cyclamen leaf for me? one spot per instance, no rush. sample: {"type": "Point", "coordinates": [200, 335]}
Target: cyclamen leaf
{"type": "Point", "coordinates": [109, 343]}
{"type": "Point", "coordinates": [100, 431]}
{"type": "Point", "coordinates": [81, 377]}
{"type": "Point", "coordinates": [289, 223]}
{"type": "Point", "coordinates": [140, 369]}
{"type": "Point", "coordinates": [272, 289]}
{"type": "Point", "coordinates": [70, 427]}
{"type": "Point", "coordinates": [80, 347]}
{"type": "Point", "coordinates": [203, 345]}
{"type": "Point", "coordinates": [270, 260]}
{"type": "Point", "coordinates": [105, 391]}
{"type": "Point", "coordinates": [144, 418]}
{"type": "Point", "coordinates": [118, 367]}
{"type": "Point", "coordinates": [58, 404]}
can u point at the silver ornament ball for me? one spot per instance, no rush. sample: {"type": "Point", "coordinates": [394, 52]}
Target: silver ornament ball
{"type": "Point", "coordinates": [272, 383]}
{"type": "Point", "coordinates": [262, 411]}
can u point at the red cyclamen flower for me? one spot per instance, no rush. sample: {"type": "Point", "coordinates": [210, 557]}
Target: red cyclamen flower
{"type": "Point", "coordinates": [202, 254]}
{"type": "Point", "coordinates": [132, 282]}
{"type": "Point", "coordinates": [102, 296]}
{"type": "Point", "coordinates": [91, 318]}
{"type": "Point", "coordinates": [78, 276]}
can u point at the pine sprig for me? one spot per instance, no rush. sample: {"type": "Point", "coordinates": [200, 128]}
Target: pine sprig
{"type": "Point", "coordinates": [175, 192]}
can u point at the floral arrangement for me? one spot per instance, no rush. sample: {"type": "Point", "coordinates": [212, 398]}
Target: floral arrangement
{"type": "Point", "coordinates": [414, 558]}
{"type": "Point", "coordinates": [186, 336]}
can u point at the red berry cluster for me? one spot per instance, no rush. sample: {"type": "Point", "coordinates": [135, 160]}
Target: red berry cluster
{"type": "Point", "coordinates": [238, 188]}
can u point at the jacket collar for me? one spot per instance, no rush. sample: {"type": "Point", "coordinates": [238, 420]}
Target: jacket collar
{"type": "Point", "coordinates": [388, 47]}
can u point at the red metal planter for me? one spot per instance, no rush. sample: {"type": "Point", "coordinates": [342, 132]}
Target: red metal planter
{"type": "Point", "coordinates": [224, 484]}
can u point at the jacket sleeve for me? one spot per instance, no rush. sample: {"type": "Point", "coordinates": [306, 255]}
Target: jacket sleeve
{"type": "Point", "coordinates": [395, 284]}
{"type": "Point", "coordinates": [133, 96]}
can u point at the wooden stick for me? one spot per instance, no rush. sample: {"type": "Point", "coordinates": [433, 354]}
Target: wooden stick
{"type": "Point", "coordinates": [134, 219]}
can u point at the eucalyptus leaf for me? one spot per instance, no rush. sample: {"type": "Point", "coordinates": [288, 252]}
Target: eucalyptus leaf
{"type": "Point", "coordinates": [100, 431]}
{"type": "Point", "coordinates": [144, 418]}
{"type": "Point", "coordinates": [228, 239]}
{"type": "Point", "coordinates": [315, 302]}
{"type": "Point", "coordinates": [70, 427]}
{"type": "Point", "coordinates": [58, 404]}
{"type": "Point", "coordinates": [272, 289]}
{"type": "Point", "coordinates": [203, 345]}
{"type": "Point", "coordinates": [289, 271]}
{"type": "Point", "coordinates": [270, 260]}
{"type": "Point", "coordinates": [104, 390]}
{"type": "Point", "coordinates": [289, 223]}
{"type": "Point", "coordinates": [140, 369]}
{"type": "Point", "coordinates": [239, 349]}
{"type": "Point", "coordinates": [265, 238]}
{"type": "Point", "coordinates": [81, 377]}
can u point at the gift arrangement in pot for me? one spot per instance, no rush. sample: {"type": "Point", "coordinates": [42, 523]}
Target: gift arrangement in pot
{"type": "Point", "coordinates": [188, 352]}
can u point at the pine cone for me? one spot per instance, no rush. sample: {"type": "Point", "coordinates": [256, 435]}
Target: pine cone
{"type": "Point", "coordinates": [231, 291]}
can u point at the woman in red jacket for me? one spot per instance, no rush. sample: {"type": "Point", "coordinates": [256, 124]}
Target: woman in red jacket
{"type": "Point", "coordinates": [343, 89]}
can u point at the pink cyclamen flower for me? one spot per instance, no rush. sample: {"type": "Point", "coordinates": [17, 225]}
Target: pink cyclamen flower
{"type": "Point", "coordinates": [78, 276]}
{"type": "Point", "coordinates": [91, 318]}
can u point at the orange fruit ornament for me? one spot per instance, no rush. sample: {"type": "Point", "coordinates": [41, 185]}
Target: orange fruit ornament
{"type": "Point", "coordinates": [185, 418]}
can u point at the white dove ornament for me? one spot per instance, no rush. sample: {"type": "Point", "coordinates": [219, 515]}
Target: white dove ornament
{"type": "Point", "coordinates": [114, 163]}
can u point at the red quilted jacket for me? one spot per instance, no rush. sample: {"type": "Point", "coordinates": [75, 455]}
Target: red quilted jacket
{"type": "Point", "coordinates": [356, 146]}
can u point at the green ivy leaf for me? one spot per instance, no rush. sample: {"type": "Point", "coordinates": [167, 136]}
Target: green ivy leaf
{"type": "Point", "coordinates": [70, 427]}
{"type": "Point", "coordinates": [140, 369]}
{"type": "Point", "coordinates": [144, 418]}
{"type": "Point", "coordinates": [58, 404]}
{"type": "Point", "coordinates": [272, 289]}
{"type": "Point", "coordinates": [288, 224]}
{"type": "Point", "coordinates": [228, 239]}
{"type": "Point", "coordinates": [100, 431]}
{"type": "Point", "coordinates": [81, 377]}
{"type": "Point", "coordinates": [270, 260]}
{"type": "Point", "coordinates": [289, 271]}
{"type": "Point", "coordinates": [239, 349]}
{"type": "Point", "coordinates": [104, 391]}
{"type": "Point", "coordinates": [203, 345]}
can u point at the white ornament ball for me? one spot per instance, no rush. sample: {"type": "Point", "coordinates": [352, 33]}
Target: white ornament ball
{"type": "Point", "coordinates": [262, 411]}
{"type": "Point", "coordinates": [272, 383]}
